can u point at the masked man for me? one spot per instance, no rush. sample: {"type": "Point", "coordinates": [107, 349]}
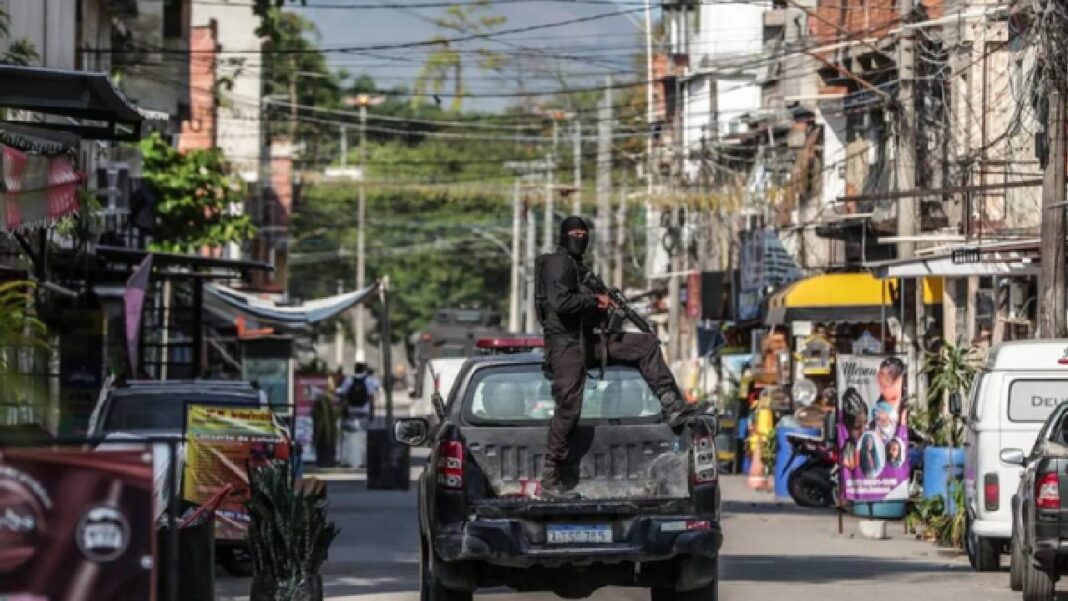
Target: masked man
{"type": "Point", "coordinates": [568, 313]}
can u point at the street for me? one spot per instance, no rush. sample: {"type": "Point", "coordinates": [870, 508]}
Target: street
{"type": "Point", "coordinates": [771, 551]}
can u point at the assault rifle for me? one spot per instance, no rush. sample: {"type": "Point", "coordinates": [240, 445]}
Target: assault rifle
{"type": "Point", "coordinates": [620, 308]}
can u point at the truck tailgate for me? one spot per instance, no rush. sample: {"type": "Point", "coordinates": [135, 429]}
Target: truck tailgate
{"type": "Point", "coordinates": [616, 461]}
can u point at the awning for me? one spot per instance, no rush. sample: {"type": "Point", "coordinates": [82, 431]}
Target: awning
{"type": "Point", "coordinates": [37, 190]}
{"type": "Point", "coordinates": [75, 94]}
{"type": "Point", "coordinates": [993, 260]}
{"type": "Point", "coordinates": [232, 303]}
{"type": "Point", "coordinates": [841, 298]}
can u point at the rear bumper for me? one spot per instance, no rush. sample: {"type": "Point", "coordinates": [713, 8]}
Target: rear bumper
{"type": "Point", "coordinates": [992, 528]}
{"type": "Point", "coordinates": [515, 544]}
{"type": "Point", "coordinates": [1051, 554]}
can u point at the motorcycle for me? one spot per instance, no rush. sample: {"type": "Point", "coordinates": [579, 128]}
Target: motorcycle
{"type": "Point", "coordinates": [814, 483]}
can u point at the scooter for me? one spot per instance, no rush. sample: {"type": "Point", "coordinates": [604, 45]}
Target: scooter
{"type": "Point", "coordinates": [814, 483]}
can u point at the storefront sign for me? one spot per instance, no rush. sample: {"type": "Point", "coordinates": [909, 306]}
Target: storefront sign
{"type": "Point", "coordinates": [76, 524]}
{"type": "Point", "coordinates": [223, 443]}
{"type": "Point", "coordinates": [872, 427]}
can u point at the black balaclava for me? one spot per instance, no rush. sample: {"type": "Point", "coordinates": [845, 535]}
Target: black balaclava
{"type": "Point", "coordinates": [574, 246]}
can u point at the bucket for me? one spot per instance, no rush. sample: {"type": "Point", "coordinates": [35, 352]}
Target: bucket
{"type": "Point", "coordinates": [941, 465]}
{"type": "Point", "coordinates": [783, 465]}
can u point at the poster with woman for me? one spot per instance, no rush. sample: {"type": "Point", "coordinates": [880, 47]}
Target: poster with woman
{"type": "Point", "coordinates": [872, 427]}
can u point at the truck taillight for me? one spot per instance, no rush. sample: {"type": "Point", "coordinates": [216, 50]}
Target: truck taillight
{"type": "Point", "coordinates": [451, 464]}
{"type": "Point", "coordinates": [1047, 492]}
{"type": "Point", "coordinates": [991, 492]}
{"type": "Point", "coordinates": [705, 462]}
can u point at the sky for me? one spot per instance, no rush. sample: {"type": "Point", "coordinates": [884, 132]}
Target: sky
{"type": "Point", "coordinates": [585, 52]}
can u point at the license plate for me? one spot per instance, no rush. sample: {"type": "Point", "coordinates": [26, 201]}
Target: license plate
{"type": "Point", "coordinates": [569, 534]}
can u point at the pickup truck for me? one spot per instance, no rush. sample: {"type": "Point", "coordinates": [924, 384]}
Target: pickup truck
{"type": "Point", "coordinates": [1039, 544]}
{"type": "Point", "coordinates": [647, 512]}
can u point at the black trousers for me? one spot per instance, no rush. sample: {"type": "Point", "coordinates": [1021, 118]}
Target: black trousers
{"type": "Point", "coordinates": [568, 362]}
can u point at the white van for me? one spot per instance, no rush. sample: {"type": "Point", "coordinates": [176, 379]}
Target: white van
{"type": "Point", "coordinates": [1011, 396]}
{"type": "Point", "coordinates": [439, 376]}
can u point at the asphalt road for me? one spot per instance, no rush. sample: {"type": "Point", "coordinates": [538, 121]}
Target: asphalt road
{"type": "Point", "coordinates": [772, 551]}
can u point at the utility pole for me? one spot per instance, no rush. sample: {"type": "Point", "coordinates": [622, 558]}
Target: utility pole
{"type": "Point", "coordinates": [513, 299]}
{"type": "Point", "coordinates": [528, 266]}
{"type": "Point", "coordinates": [362, 101]}
{"type": "Point", "coordinates": [604, 180]}
{"type": "Point", "coordinates": [905, 179]}
{"type": "Point", "coordinates": [1051, 282]}
{"type": "Point", "coordinates": [652, 216]}
{"type": "Point", "coordinates": [576, 196]}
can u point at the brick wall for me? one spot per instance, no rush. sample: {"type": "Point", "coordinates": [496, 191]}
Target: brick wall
{"type": "Point", "coordinates": [199, 131]}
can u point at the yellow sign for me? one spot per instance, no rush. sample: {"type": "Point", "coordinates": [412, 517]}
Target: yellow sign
{"type": "Point", "coordinates": [222, 444]}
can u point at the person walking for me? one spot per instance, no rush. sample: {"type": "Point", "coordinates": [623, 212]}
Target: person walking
{"type": "Point", "coordinates": [569, 314]}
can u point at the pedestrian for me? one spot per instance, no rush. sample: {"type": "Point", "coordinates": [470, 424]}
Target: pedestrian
{"type": "Point", "coordinates": [569, 313]}
{"type": "Point", "coordinates": [355, 395]}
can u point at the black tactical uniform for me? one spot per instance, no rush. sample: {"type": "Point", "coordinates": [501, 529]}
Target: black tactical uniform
{"type": "Point", "coordinates": [568, 314]}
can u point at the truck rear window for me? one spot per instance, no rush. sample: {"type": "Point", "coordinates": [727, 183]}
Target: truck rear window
{"type": "Point", "coordinates": [1035, 400]}
{"type": "Point", "coordinates": [521, 393]}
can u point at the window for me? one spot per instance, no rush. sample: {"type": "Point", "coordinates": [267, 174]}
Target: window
{"type": "Point", "coordinates": [1034, 400]}
{"type": "Point", "coordinates": [172, 18]}
{"type": "Point", "coordinates": [469, 317]}
{"type": "Point", "coordinates": [522, 394]}
{"type": "Point", "coordinates": [156, 412]}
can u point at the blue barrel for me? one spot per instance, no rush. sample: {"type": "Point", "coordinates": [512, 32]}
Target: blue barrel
{"type": "Point", "coordinates": [887, 510]}
{"type": "Point", "coordinates": [782, 457]}
{"type": "Point", "coordinates": [941, 465]}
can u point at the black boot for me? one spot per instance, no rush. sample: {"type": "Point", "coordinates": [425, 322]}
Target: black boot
{"type": "Point", "coordinates": [554, 485]}
{"type": "Point", "coordinates": [677, 411]}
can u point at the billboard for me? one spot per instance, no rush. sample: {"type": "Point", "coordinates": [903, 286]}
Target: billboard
{"type": "Point", "coordinates": [76, 524]}
{"type": "Point", "coordinates": [222, 443]}
{"type": "Point", "coordinates": [873, 427]}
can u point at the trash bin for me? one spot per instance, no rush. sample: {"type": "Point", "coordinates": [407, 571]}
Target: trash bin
{"type": "Point", "coordinates": [387, 461]}
{"type": "Point", "coordinates": [783, 465]}
{"type": "Point", "coordinates": [196, 561]}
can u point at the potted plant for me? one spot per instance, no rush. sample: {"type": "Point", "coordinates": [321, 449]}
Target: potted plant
{"type": "Point", "coordinates": [289, 535]}
{"type": "Point", "coordinates": [325, 418]}
{"type": "Point", "coordinates": [949, 373]}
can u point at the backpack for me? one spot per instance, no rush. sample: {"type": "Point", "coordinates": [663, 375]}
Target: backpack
{"type": "Point", "coordinates": [357, 396]}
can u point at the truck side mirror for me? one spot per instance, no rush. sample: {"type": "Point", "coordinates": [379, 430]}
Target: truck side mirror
{"type": "Point", "coordinates": [955, 405]}
{"type": "Point", "coordinates": [1013, 457]}
{"type": "Point", "coordinates": [439, 404]}
{"type": "Point", "coordinates": [413, 432]}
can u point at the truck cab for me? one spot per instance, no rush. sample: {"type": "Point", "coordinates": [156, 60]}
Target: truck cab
{"type": "Point", "coordinates": [1011, 396]}
{"type": "Point", "coordinates": [647, 512]}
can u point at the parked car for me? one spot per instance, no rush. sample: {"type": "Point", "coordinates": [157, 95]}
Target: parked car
{"type": "Point", "coordinates": [1011, 397]}
{"type": "Point", "coordinates": [648, 508]}
{"type": "Point", "coordinates": [156, 408]}
{"type": "Point", "coordinates": [1039, 511]}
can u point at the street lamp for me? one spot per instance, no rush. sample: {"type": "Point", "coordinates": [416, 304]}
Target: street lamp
{"type": "Point", "coordinates": [362, 101]}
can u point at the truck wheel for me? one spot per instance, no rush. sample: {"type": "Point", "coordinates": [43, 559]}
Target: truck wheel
{"type": "Point", "coordinates": [1037, 585]}
{"type": "Point", "coordinates": [1016, 561]}
{"type": "Point", "coordinates": [429, 587]}
{"type": "Point", "coordinates": [708, 592]}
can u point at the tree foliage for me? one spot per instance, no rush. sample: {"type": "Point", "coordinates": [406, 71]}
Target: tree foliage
{"type": "Point", "coordinates": [448, 59]}
{"type": "Point", "coordinates": [197, 195]}
{"type": "Point", "coordinates": [20, 331]}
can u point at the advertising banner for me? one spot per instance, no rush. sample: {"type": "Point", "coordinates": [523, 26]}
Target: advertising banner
{"type": "Point", "coordinates": [76, 524]}
{"type": "Point", "coordinates": [873, 427]}
{"type": "Point", "coordinates": [222, 444]}
{"type": "Point", "coordinates": [307, 388]}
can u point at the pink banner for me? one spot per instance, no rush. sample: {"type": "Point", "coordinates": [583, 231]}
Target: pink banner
{"type": "Point", "coordinates": [134, 300]}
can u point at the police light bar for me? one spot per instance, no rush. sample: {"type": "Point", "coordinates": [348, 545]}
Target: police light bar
{"type": "Point", "coordinates": [512, 344]}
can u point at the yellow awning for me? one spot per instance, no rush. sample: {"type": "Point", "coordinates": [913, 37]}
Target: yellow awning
{"type": "Point", "coordinates": [841, 297]}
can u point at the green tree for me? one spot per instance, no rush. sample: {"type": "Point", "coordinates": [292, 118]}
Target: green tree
{"type": "Point", "coordinates": [447, 60]}
{"type": "Point", "coordinates": [197, 195]}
